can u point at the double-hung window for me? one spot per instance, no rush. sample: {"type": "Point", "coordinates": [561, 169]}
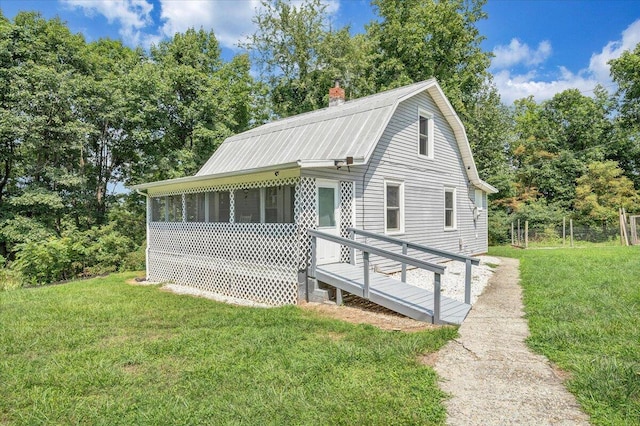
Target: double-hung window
{"type": "Point", "coordinates": [449, 208]}
{"type": "Point", "coordinates": [425, 134]}
{"type": "Point", "coordinates": [393, 207]}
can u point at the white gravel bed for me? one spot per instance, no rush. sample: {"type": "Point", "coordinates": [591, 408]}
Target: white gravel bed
{"type": "Point", "coordinates": [183, 289]}
{"type": "Point", "coordinates": [452, 282]}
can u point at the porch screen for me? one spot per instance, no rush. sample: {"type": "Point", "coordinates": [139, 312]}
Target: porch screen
{"type": "Point", "coordinates": [278, 204]}
{"type": "Point", "coordinates": [195, 204]}
{"type": "Point", "coordinates": [247, 205]}
{"type": "Point", "coordinates": [219, 206]}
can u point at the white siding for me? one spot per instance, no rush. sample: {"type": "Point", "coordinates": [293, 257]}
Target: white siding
{"type": "Point", "coordinates": [395, 157]}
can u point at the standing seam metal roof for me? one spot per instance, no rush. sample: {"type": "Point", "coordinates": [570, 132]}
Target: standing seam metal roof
{"type": "Point", "coordinates": [318, 138]}
{"type": "Point", "coordinates": [351, 129]}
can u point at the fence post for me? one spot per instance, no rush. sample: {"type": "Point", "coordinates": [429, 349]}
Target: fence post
{"type": "Point", "coordinates": [513, 240]}
{"type": "Point", "coordinates": [365, 262]}
{"type": "Point", "coordinates": [436, 298]}
{"type": "Point", "coordinates": [571, 231]}
{"type": "Point", "coordinates": [518, 232]}
{"type": "Point", "coordinates": [564, 230]}
{"type": "Point", "coordinates": [403, 277]}
{"type": "Point", "coordinates": [526, 234]}
{"type": "Point", "coordinates": [467, 282]}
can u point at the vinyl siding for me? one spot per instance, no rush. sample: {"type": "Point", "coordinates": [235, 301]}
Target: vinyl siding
{"type": "Point", "coordinates": [396, 158]}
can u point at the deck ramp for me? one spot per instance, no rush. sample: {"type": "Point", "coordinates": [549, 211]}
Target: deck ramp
{"type": "Point", "coordinates": [406, 299]}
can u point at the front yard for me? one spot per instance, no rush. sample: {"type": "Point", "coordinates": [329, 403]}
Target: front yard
{"type": "Point", "coordinates": [105, 352]}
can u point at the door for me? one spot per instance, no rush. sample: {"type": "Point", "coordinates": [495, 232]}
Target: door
{"type": "Point", "coordinates": [328, 197]}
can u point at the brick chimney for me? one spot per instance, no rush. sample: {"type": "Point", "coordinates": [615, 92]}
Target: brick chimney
{"type": "Point", "coordinates": [336, 95]}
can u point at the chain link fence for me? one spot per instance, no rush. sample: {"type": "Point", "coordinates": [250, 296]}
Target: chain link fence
{"type": "Point", "coordinates": [569, 234]}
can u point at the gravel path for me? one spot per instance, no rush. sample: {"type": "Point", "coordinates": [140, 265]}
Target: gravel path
{"type": "Point", "coordinates": [452, 281]}
{"type": "Point", "coordinates": [493, 377]}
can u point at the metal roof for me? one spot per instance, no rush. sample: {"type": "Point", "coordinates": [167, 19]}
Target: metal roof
{"type": "Point", "coordinates": [318, 138]}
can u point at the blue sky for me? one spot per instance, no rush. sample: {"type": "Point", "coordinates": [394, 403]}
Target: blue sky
{"type": "Point", "coordinates": [541, 47]}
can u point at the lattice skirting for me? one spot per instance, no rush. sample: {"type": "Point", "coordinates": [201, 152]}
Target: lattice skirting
{"type": "Point", "coordinates": [250, 261]}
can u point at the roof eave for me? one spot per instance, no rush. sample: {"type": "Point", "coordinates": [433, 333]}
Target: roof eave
{"type": "Point", "coordinates": [203, 178]}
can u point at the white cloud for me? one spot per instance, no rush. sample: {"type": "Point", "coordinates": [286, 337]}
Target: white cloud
{"type": "Point", "coordinates": [520, 53]}
{"type": "Point", "coordinates": [514, 86]}
{"type": "Point", "coordinates": [132, 15]}
{"type": "Point", "coordinates": [598, 63]}
{"type": "Point", "coordinates": [231, 21]}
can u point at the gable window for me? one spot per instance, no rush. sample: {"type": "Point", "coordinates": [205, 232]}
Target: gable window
{"type": "Point", "coordinates": [393, 207]}
{"type": "Point", "coordinates": [449, 208]}
{"type": "Point", "coordinates": [425, 136]}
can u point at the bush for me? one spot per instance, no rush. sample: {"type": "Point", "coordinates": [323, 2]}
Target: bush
{"type": "Point", "coordinates": [94, 252]}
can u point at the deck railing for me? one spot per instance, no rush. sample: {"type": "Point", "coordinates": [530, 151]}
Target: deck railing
{"type": "Point", "coordinates": [406, 245]}
{"type": "Point", "coordinates": [366, 251]}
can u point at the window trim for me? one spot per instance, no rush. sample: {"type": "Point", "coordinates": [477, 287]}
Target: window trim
{"type": "Point", "coordinates": [422, 113]}
{"type": "Point", "coordinates": [454, 191]}
{"type": "Point", "coordinates": [401, 208]}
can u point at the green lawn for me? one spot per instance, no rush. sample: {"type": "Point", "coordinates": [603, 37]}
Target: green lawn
{"type": "Point", "coordinates": [583, 307]}
{"type": "Point", "coordinates": [104, 352]}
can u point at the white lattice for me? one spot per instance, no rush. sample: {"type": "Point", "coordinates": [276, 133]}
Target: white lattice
{"type": "Point", "coordinates": [254, 261]}
{"type": "Point", "coordinates": [347, 195]}
{"type": "Point", "coordinates": [306, 218]}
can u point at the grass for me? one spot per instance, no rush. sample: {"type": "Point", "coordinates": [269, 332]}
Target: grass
{"type": "Point", "coordinates": [101, 351]}
{"type": "Point", "coordinates": [583, 308]}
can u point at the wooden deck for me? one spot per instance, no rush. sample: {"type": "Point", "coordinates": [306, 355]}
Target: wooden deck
{"type": "Point", "coordinates": [414, 302]}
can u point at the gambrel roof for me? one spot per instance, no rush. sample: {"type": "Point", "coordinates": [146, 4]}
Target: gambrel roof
{"type": "Point", "coordinates": [322, 137]}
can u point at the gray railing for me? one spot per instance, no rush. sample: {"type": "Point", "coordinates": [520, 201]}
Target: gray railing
{"type": "Point", "coordinates": [366, 251]}
{"type": "Point", "coordinates": [406, 245]}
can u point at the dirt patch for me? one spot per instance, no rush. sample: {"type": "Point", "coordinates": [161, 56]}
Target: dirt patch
{"type": "Point", "coordinates": [362, 315]}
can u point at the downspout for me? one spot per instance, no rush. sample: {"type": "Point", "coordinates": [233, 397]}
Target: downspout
{"type": "Point", "coordinates": [148, 220]}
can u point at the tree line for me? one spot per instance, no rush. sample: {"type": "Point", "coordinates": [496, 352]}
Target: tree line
{"type": "Point", "coordinates": [78, 120]}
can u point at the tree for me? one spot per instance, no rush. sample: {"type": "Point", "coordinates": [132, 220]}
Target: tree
{"type": "Point", "coordinates": [300, 56]}
{"type": "Point", "coordinates": [202, 100]}
{"type": "Point", "coordinates": [602, 190]}
{"type": "Point", "coordinates": [625, 71]}
{"type": "Point", "coordinates": [415, 40]}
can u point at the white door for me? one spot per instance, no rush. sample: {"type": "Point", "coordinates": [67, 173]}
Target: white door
{"type": "Point", "coordinates": [328, 197]}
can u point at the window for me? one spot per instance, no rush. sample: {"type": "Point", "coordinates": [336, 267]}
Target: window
{"type": "Point", "coordinates": [449, 208]}
{"type": "Point", "coordinates": [425, 134]}
{"type": "Point", "coordinates": [195, 204]}
{"type": "Point", "coordinates": [393, 207]}
{"type": "Point", "coordinates": [479, 199]}
{"type": "Point", "coordinates": [219, 206]}
{"type": "Point", "coordinates": [326, 207]}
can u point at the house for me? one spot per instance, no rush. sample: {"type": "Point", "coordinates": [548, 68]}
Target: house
{"type": "Point", "coordinates": [396, 163]}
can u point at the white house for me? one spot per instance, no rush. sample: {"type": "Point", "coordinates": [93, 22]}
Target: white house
{"type": "Point", "coordinates": [396, 163]}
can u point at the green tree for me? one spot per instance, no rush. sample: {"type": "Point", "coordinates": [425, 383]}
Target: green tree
{"type": "Point", "coordinates": [300, 55]}
{"type": "Point", "coordinates": [625, 71]}
{"type": "Point", "coordinates": [602, 190]}
{"type": "Point", "coordinates": [415, 40]}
